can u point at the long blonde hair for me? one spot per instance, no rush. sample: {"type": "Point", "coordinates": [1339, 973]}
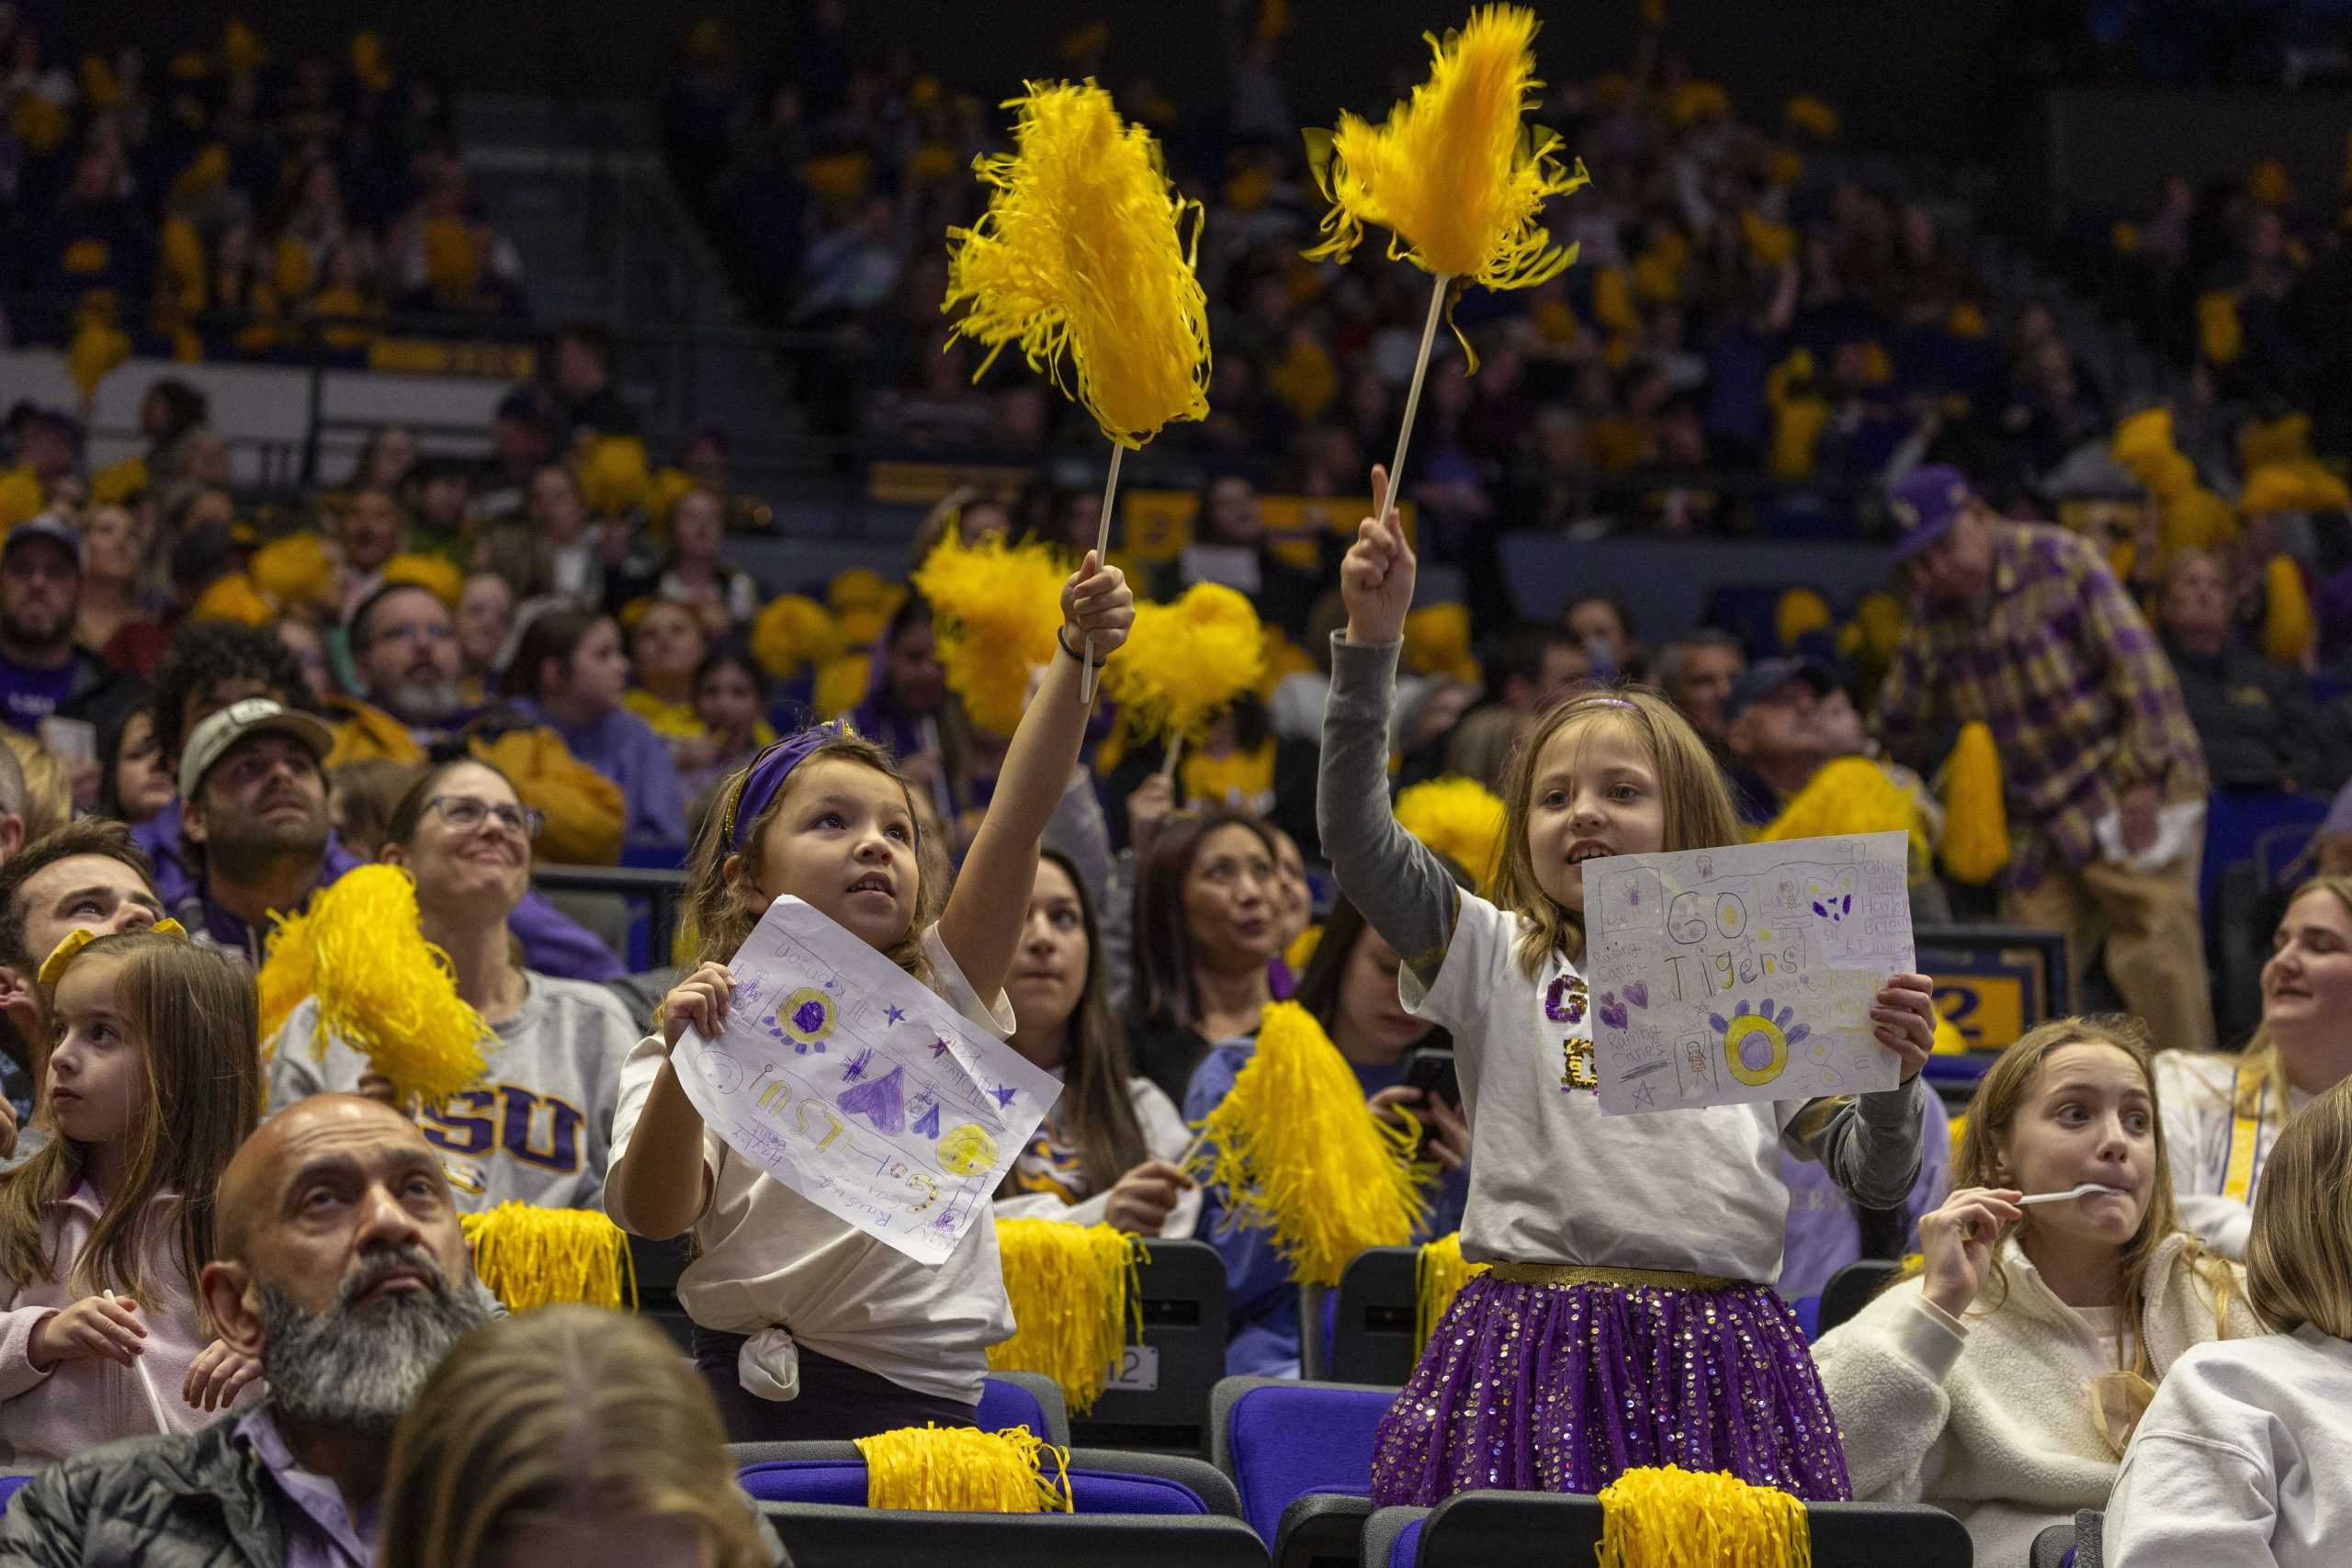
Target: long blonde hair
{"type": "Point", "coordinates": [1699, 812]}
{"type": "Point", "coordinates": [2298, 1261]}
{"type": "Point", "coordinates": [1983, 1161]}
{"type": "Point", "coordinates": [2261, 1067]}
{"type": "Point", "coordinates": [562, 1411]}
{"type": "Point", "coordinates": [194, 1015]}
{"type": "Point", "coordinates": [722, 900]}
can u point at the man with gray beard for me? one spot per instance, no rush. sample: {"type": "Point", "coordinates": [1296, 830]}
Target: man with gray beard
{"type": "Point", "coordinates": [404, 650]}
{"type": "Point", "coordinates": [342, 1268]}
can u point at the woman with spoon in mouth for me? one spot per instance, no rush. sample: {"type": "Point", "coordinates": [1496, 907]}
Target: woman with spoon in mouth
{"type": "Point", "coordinates": [2001, 1378]}
{"type": "Point", "coordinates": [2226, 1112]}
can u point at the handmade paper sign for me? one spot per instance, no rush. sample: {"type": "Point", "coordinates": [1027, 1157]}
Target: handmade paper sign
{"type": "Point", "coordinates": [859, 1088]}
{"type": "Point", "coordinates": [1723, 977]}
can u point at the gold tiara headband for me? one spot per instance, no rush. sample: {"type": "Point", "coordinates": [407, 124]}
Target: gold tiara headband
{"type": "Point", "coordinates": [61, 957]}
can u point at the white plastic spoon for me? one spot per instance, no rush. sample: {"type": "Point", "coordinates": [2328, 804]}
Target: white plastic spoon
{"type": "Point", "coordinates": [147, 1386]}
{"type": "Point", "coordinates": [2087, 1189]}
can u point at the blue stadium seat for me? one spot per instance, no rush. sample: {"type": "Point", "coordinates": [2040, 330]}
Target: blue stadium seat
{"type": "Point", "coordinates": [1025, 1399]}
{"type": "Point", "coordinates": [2236, 819]}
{"type": "Point", "coordinates": [1300, 1457]}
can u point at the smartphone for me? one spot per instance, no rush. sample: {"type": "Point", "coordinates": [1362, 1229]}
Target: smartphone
{"type": "Point", "coordinates": [1431, 1069]}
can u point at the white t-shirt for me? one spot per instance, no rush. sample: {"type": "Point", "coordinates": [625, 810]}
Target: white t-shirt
{"type": "Point", "coordinates": [1049, 1178]}
{"type": "Point", "coordinates": [2196, 1091]}
{"type": "Point", "coordinates": [765, 1255]}
{"type": "Point", "coordinates": [2243, 1457]}
{"type": "Point", "coordinates": [1552, 1179]}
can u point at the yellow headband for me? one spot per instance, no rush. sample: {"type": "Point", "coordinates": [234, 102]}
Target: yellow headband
{"type": "Point", "coordinates": [53, 967]}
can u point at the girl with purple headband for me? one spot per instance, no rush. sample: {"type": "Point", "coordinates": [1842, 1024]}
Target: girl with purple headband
{"type": "Point", "coordinates": [1628, 1318]}
{"type": "Point", "coordinates": [804, 1325]}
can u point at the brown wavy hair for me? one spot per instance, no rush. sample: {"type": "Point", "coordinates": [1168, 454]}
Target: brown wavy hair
{"type": "Point", "coordinates": [723, 901]}
{"type": "Point", "coordinates": [2299, 1262]}
{"type": "Point", "coordinates": [1699, 812]}
{"type": "Point", "coordinates": [557, 1413]}
{"type": "Point", "coordinates": [197, 1023]}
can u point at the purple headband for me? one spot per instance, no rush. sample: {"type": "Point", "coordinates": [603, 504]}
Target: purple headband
{"type": "Point", "coordinates": [771, 768]}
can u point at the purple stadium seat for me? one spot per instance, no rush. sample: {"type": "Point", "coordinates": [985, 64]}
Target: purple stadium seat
{"type": "Point", "coordinates": [1006, 1403]}
{"type": "Point", "coordinates": [1282, 1439]}
{"type": "Point", "coordinates": [1408, 1544]}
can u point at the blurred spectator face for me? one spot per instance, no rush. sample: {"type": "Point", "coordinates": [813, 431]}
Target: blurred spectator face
{"type": "Point", "coordinates": [2196, 608]}
{"type": "Point", "coordinates": [207, 463]}
{"type": "Point", "coordinates": [697, 528]}
{"type": "Point", "coordinates": [1959, 565]}
{"type": "Point", "coordinates": [1293, 897]}
{"type": "Point", "coordinates": [485, 620]}
{"type": "Point", "coordinates": [46, 446]}
{"type": "Point", "coordinates": [1837, 724]}
{"type": "Point", "coordinates": [1704, 682]}
{"type": "Point", "coordinates": [988, 519]}
{"type": "Point", "coordinates": [554, 505]}
{"type": "Point", "coordinates": [141, 785]}
{"type": "Point", "coordinates": [1596, 625]}
{"type": "Point", "coordinates": [1022, 415]}
{"type": "Point", "coordinates": [594, 677]}
{"type": "Point", "coordinates": [916, 684]}
{"type": "Point", "coordinates": [1564, 666]}
{"type": "Point", "coordinates": [443, 501]}
{"type": "Point", "coordinates": [390, 458]}
{"type": "Point", "coordinates": [579, 369]}
{"type": "Point", "coordinates": [211, 507]}
{"type": "Point", "coordinates": [41, 589]}
{"type": "Point", "coordinates": [112, 543]}
{"type": "Point", "coordinates": [408, 656]}
{"type": "Point", "coordinates": [371, 531]}
{"type": "Point", "coordinates": [2266, 235]}
{"type": "Point", "coordinates": [706, 463]}
{"type": "Point", "coordinates": [728, 703]}
{"type": "Point", "coordinates": [670, 647]}
{"type": "Point", "coordinates": [301, 639]}
{"type": "Point", "coordinates": [1778, 728]}
{"type": "Point", "coordinates": [1232, 512]}
{"type": "Point", "coordinates": [521, 443]}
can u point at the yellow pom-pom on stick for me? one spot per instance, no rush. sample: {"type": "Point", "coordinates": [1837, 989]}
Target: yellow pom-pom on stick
{"type": "Point", "coordinates": [1299, 1152]}
{"type": "Point", "coordinates": [1658, 1516]}
{"type": "Point", "coordinates": [1454, 175]}
{"type": "Point", "coordinates": [1976, 818]}
{"type": "Point", "coordinates": [2289, 634]}
{"type": "Point", "coordinates": [531, 1256]}
{"type": "Point", "coordinates": [1081, 259]}
{"type": "Point", "coordinates": [381, 987]}
{"type": "Point", "coordinates": [997, 609]}
{"type": "Point", "coordinates": [1184, 663]}
{"type": "Point", "coordinates": [961, 1470]}
{"type": "Point", "coordinates": [1074, 1293]}
{"type": "Point", "coordinates": [1457, 816]}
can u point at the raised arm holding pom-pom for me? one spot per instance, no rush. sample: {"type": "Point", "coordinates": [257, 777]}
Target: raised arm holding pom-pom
{"type": "Point", "coordinates": [1376, 578]}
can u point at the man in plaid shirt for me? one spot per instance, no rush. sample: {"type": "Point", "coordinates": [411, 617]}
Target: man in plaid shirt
{"type": "Point", "coordinates": [2023, 627]}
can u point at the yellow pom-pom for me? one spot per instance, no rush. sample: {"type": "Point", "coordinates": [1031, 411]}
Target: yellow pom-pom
{"type": "Point", "coordinates": [232, 598]}
{"type": "Point", "coordinates": [861, 588]}
{"type": "Point", "coordinates": [1300, 950]}
{"type": "Point", "coordinates": [1454, 175]}
{"type": "Point", "coordinates": [2221, 335]}
{"type": "Point", "coordinates": [1075, 1296]}
{"type": "Point", "coordinates": [381, 987]}
{"type": "Point", "coordinates": [296, 570]}
{"type": "Point", "coordinates": [1976, 818]}
{"type": "Point", "coordinates": [1436, 642]}
{"type": "Point", "coordinates": [97, 347]}
{"type": "Point", "coordinates": [1948, 1041]}
{"type": "Point", "coordinates": [532, 1256]}
{"type": "Point", "coordinates": [613, 474]}
{"type": "Point", "coordinates": [1184, 663]}
{"type": "Point", "coordinates": [1853, 794]}
{"type": "Point", "coordinates": [663, 492]}
{"type": "Point", "coordinates": [793, 632]}
{"type": "Point", "coordinates": [1298, 1151]}
{"type": "Point", "coordinates": [20, 497]}
{"type": "Point", "coordinates": [1811, 115]}
{"type": "Point", "coordinates": [1243, 777]}
{"type": "Point", "coordinates": [2292, 485]}
{"type": "Point", "coordinates": [996, 609]}
{"type": "Point", "coordinates": [2196, 519]}
{"type": "Point", "coordinates": [118, 482]}
{"type": "Point", "coordinates": [1439, 1275]}
{"type": "Point", "coordinates": [436, 574]}
{"type": "Point", "coordinates": [841, 684]}
{"type": "Point", "coordinates": [1800, 611]}
{"type": "Point", "coordinates": [1668, 1518]}
{"type": "Point", "coordinates": [2287, 439]}
{"type": "Point", "coordinates": [2141, 437]}
{"type": "Point", "coordinates": [1457, 816]}
{"type": "Point", "coordinates": [1080, 261]}
{"type": "Point", "coordinates": [958, 1470]}
{"type": "Point", "coordinates": [2288, 633]}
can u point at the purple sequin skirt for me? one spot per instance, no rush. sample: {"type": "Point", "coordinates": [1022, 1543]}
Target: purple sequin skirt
{"type": "Point", "coordinates": [1562, 1387]}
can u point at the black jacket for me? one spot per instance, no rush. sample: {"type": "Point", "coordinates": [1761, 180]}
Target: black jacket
{"type": "Point", "coordinates": [202, 1500]}
{"type": "Point", "coordinates": [2254, 720]}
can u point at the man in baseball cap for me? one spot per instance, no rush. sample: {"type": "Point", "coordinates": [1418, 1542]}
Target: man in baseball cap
{"type": "Point", "coordinates": [253, 814]}
{"type": "Point", "coordinates": [42, 673]}
{"type": "Point", "coordinates": [1942, 532]}
{"type": "Point", "coordinates": [1768, 730]}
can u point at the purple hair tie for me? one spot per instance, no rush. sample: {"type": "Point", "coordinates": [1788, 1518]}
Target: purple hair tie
{"type": "Point", "coordinates": [771, 768]}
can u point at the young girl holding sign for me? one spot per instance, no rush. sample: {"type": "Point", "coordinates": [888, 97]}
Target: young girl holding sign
{"type": "Point", "coordinates": [1629, 1318]}
{"type": "Point", "coordinates": [805, 1325]}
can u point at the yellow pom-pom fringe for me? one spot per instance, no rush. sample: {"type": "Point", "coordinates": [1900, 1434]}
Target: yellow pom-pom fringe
{"type": "Point", "coordinates": [1436, 642]}
{"type": "Point", "coordinates": [232, 598]}
{"type": "Point", "coordinates": [531, 1256]}
{"type": "Point", "coordinates": [1457, 816]}
{"type": "Point", "coordinates": [957, 1469]}
{"type": "Point", "coordinates": [296, 570]}
{"type": "Point", "coordinates": [381, 987]}
{"type": "Point", "coordinates": [1853, 794]}
{"type": "Point", "coordinates": [1184, 663]}
{"type": "Point", "coordinates": [1080, 261]}
{"type": "Point", "coordinates": [1300, 950]}
{"type": "Point", "coordinates": [996, 610]}
{"type": "Point", "coordinates": [1670, 1517]}
{"type": "Point", "coordinates": [2288, 633]}
{"type": "Point", "coordinates": [435, 575]}
{"type": "Point", "coordinates": [841, 684]}
{"type": "Point", "coordinates": [793, 632]}
{"type": "Point", "coordinates": [1976, 818]}
{"type": "Point", "coordinates": [1454, 175]}
{"type": "Point", "coordinates": [1439, 1275]}
{"type": "Point", "coordinates": [1299, 1152]}
{"type": "Point", "coordinates": [614, 475]}
{"type": "Point", "coordinates": [1075, 1294]}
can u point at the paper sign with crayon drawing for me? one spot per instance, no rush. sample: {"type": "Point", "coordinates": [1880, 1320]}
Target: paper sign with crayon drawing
{"type": "Point", "coordinates": [859, 1088]}
{"type": "Point", "coordinates": [1724, 976]}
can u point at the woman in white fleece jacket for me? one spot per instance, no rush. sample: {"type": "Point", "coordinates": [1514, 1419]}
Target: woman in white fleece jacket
{"type": "Point", "coordinates": [2246, 1457]}
{"type": "Point", "coordinates": [2001, 1381]}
